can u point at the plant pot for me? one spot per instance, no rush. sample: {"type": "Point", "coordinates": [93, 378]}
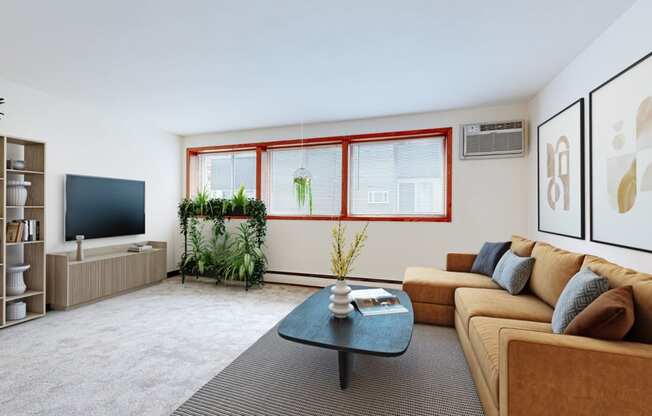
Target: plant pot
{"type": "Point", "coordinates": [17, 192]}
{"type": "Point", "coordinates": [340, 304]}
{"type": "Point", "coordinates": [15, 282]}
{"type": "Point", "coordinates": [16, 311]}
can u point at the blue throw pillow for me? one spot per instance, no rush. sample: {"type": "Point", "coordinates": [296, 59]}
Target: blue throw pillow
{"type": "Point", "coordinates": [580, 291]}
{"type": "Point", "coordinates": [513, 272]}
{"type": "Point", "coordinates": [488, 258]}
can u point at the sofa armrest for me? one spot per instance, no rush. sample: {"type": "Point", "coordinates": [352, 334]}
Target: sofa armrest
{"type": "Point", "coordinates": [459, 262]}
{"type": "Point", "coordinates": [549, 374]}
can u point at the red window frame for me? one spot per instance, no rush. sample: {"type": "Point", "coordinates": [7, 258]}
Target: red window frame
{"type": "Point", "coordinates": [260, 147]}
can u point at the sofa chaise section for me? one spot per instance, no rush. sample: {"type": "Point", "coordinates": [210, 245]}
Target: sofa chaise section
{"type": "Point", "coordinates": [432, 291]}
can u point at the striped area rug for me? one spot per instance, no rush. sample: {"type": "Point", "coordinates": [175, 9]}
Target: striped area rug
{"type": "Point", "coordinates": [280, 378]}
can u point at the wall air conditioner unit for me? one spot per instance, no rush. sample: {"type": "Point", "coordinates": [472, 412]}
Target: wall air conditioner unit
{"type": "Point", "coordinates": [493, 140]}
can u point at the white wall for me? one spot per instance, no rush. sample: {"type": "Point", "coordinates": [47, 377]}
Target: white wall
{"type": "Point", "coordinates": [488, 201]}
{"type": "Point", "coordinates": [623, 43]}
{"type": "Point", "coordinates": [81, 141]}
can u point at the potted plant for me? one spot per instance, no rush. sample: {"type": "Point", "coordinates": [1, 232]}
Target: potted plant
{"type": "Point", "coordinates": [202, 202]}
{"type": "Point", "coordinates": [238, 203]}
{"type": "Point", "coordinates": [341, 265]}
{"type": "Point", "coordinates": [245, 256]}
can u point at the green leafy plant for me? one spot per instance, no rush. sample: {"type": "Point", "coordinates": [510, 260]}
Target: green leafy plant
{"type": "Point", "coordinates": [238, 203]}
{"type": "Point", "coordinates": [245, 256]}
{"type": "Point", "coordinates": [303, 192]}
{"type": "Point", "coordinates": [341, 259]}
{"type": "Point", "coordinates": [211, 258]}
{"type": "Point", "coordinates": [202, 202]}
{"type": "Point", "coordinates": [193, 261]}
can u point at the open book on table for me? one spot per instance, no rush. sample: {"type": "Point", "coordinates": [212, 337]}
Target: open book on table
{"type": "Point", "coordinates": [376, 302]}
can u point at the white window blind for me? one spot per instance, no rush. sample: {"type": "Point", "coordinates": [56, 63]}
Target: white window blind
{"type": "Point", "coordinates": [325, 165]}
{"type": "Point", "coordinates": [222, 174]}
{"type": "Point", "coordinates": [410, 172]}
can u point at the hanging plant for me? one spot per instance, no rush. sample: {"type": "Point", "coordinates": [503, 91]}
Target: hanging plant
{"type": "Point", "coordinates": [303, 188]}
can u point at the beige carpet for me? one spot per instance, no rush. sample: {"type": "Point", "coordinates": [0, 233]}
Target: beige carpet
{"type": "Point", "coordinates": [143, 353]}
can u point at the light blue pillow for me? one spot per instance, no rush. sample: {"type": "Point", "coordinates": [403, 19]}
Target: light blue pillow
{"type": "Point", "coordinates": [512, 272]}
{"type": "Point", "coordinates": [580, 291]}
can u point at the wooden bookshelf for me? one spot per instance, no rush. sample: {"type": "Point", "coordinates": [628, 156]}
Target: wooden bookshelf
{"type": "Point", "coordinates": [24, 252]}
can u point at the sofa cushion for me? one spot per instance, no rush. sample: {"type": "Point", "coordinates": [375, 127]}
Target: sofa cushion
{"type": "Point", "coordinates": [513, 272]}
{"type": "Point", "coordinates": [581, 290]}
{"type": "Point", "coordinates": [484, 334]}
{"type": "Point", "coordinates": [641, 284]}
{"type": "Point", "coordinates": [642, 329]}
{"type": "Point", "coordinates": [617, 275]}
{"type": "Point", "coordinates": [552, 269]}
{"type": "Point", "coordinates": [430, 285]}
{"type": "Point", "coordinates": [470, 302]}
{"type": "Point", "coordinates": [609, 317]}
{"type": "Point", "coordinates": [522, 246]}
{"type": "Point", "coordinates": [489, 256]}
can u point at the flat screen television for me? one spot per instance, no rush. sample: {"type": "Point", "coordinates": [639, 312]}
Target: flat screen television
{"type": "Point", "coordinates": [103, 207]}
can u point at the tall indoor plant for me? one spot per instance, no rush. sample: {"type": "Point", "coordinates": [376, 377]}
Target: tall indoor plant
{"type": "Point", "coordinates": [341, 265]}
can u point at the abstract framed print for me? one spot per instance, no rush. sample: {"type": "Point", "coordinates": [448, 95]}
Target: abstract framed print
{"type": "Point", "coordinates": [560, 164]}
{"type": "Point", "coordinates": [621, 158]}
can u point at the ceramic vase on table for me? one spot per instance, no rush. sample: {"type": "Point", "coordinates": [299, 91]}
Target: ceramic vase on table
{"type": "Point", "coordinates": [341, 299]}
{"type": "Point", "coordinates": [15, 282]}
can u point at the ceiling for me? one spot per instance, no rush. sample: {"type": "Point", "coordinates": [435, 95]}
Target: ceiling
{"type": "Point", "coordinates": [206, 65]}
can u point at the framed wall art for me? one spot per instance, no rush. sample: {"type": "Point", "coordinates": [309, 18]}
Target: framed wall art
{"type": "Point", "coordinates": [560, 157]}
{"type": "Point", "coordinates": [621, 158]}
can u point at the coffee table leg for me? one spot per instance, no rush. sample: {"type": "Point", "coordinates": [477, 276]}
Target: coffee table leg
{"type": "Point", "coordinates": [344, 361]}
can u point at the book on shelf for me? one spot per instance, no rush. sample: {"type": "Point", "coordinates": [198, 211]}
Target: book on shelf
{"type": "Point", "coordinates": [377, 302]}
{"type": "Point", "coordinates": [23, 230]}
{"type": "Point", "coordinates": [13, 230]}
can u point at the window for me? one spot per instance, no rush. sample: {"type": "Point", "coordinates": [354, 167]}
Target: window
{"type": "Point", "coordinates": [222, 174]}
{"type": "Point", "coordinates": [395, 176]}
{"type": "Point", "coordinates": [409, 173]}
{"type": "Point", "coordinates": [378, 197]}
{"type": "Point", "coordinates": [325, 165]}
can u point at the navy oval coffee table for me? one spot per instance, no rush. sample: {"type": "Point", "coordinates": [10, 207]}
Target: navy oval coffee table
{"type": "Point", "coordinates": [382, 335]}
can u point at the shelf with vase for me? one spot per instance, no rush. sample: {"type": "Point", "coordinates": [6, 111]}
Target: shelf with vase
{"type": "Point", "coordinates": [29, 317]}
{"type": "Point", "coordinates": [24, 172]}
{"type": "Point", "coordinates": [22, 193]}
{"type": "Point", "coordinates": [27, 294]}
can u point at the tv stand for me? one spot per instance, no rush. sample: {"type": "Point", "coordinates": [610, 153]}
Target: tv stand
{"type": "Point", "coordinates": [104, 272]}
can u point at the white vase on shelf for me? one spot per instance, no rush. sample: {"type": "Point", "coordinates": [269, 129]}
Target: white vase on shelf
{"type": "Point", "coordinates": [15, 282]}
{"type": "Point", "coordinates": [17, 193]}
{"type": "Point", "coordinates": [340, 304]}
{"type": "Point", "coordinates": [16, 311]}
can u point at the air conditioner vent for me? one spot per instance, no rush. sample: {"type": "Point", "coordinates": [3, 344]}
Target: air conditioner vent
{"type": "Point", "coordinates": [493, 140]}
{"type": "Point", "coordinates": [501, 126]}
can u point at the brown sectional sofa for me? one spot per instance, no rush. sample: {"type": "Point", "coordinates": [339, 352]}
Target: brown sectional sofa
{"type": "Point", "coordinates": [519, 366]}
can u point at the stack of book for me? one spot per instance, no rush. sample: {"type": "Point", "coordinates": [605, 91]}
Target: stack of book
{"type": "Point", "coordinates": [139, 248]}
{"type": "Point", "coordinates": [377, 302]}
{"type": "Point", "coordinates": [23, 230]}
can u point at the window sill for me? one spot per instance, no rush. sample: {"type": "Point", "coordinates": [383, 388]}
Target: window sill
{"type": "Point", "coordinates": [359, 218]}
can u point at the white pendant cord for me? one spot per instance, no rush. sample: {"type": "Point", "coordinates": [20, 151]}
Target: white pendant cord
{"type": "Point", "coordinates": [303, 149]}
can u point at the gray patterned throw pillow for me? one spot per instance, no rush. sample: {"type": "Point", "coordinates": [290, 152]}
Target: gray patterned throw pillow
{"type": "Point", "coordinates": [580, 291]}
{"type": "Point", "coordinates": [512, 272]}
